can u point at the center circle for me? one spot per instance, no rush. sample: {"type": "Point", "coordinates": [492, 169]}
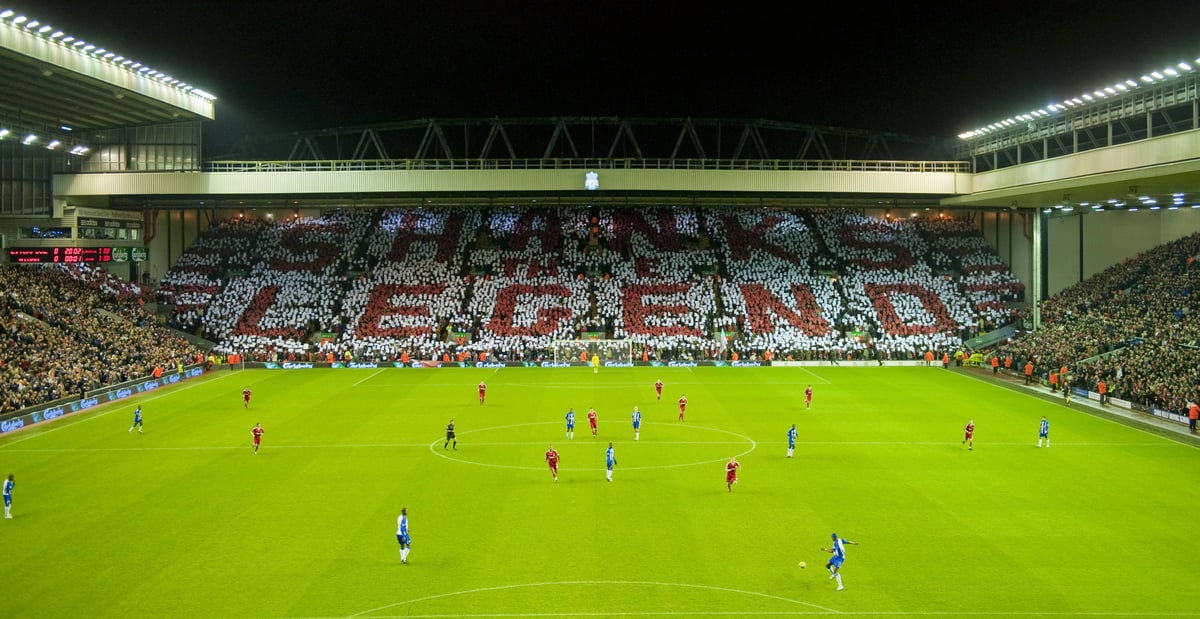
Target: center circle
{"type": "Point", "coordinates": [537, 442]}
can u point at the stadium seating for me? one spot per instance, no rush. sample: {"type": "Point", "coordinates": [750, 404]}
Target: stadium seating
{"type": "Point", "coordinates": [70, 329]}
{"type": "Point", "coordinates": [1134, 325]}
{"type": "Point", "coordinates": [677, 283]}
{"type": "Point", "coordinates": [508, 281]}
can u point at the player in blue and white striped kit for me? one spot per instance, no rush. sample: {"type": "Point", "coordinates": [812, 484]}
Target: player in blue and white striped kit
{"type": "Point", "coordinates": [402, 535]}
{"type": "Point", "coordinates": [792, 440]}
{"type": "Point", "coordinates": [137, 420]}
{"type": "Point", "coordinates": [1044, 432]}
{"type": "Point", "coordinates": [610, 459]}
{"type": "Point", "coordinates": [839, 557]}
{"type": "Point", "coordinates": [571, 424]}
{"type": "Point", "coordinates": [8, 488]}
{"type": "Point", "coordinates": [637, 423]}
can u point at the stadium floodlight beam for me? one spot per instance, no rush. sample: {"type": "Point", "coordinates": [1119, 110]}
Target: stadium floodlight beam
{"type": "Point", "coordinates": [20, 19]}
{"type": "Point", "coordinates": [4, 133]}
{"type": "Point", "coordinates": [29, 139]}
{"type": "Point", "coordinates": [45, 29]}
{"type": "Point", "coordinates": [56, 34]}
{"type": "Point", "coordinates": [53, 144]}
{"type": "Point", "coordinates": [6, 13]}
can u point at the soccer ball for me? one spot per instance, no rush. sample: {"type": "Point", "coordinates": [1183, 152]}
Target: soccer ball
{"type": "Point", "coordinates": [803, 565]}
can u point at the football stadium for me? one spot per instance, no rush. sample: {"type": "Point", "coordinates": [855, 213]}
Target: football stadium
{"type": "Point", "coordinates": [593, 366]}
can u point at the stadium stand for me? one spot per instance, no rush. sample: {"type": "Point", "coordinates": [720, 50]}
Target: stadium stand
{"type": "Point", "coordinates": [1133, 325]}
{"type": "Point", "coordinates": [69, 329]}
{"type": "Point", "coordinates": [507, 282]}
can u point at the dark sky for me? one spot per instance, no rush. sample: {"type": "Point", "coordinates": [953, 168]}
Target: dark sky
{"type": "Point", "coordinates": [927, 69]}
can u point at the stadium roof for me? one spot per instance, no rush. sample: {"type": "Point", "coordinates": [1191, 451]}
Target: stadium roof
{"type": "Point", "coordinates": [54, 82]}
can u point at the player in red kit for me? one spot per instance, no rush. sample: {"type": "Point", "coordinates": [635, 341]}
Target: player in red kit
{"type": "Point", "coordinates": [592, 420]}
{"type": "Point", "coordinates": [808, 397]}
{"type": "Point", "coordinates": [482, 392]}
{"type": "Point", "coordinates": [257, 432]}
{"type": "Point", "coordinates": [658, 385]}
{"type": "Point", "coordinates": [682, 406]}
{"type": "Point", "coordinates": [731, 469]}
{"type": "Point", "coordinates": [246, 397]}
{"type": "Point", "coordinates": [552, 460]}
{"type": "Point", "coordinates": [969, 435]}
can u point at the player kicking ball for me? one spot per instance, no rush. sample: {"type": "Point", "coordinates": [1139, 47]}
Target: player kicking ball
{"type": "Point", "coordinates": [838, 550]}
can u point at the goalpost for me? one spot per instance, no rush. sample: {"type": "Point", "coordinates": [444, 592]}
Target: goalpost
{"type": "Point", "coordinates": [576, 350]}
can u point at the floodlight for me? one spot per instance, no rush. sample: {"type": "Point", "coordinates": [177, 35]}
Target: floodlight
{"type": "Point", "coordinates": [6, 13]}
{"type": "Point", "coordinates": [20, 19]}
{"type": "Point", "coordinates": [1185, 66]}
{"type": "Point", "coordinates": [1147, 79]}
{"type": "Point", "coordinates": [89, 47]}
{"type": "Point", "coordinates": [56, 34]}
{"type": "Point", "coordinates": [68, 39]}
{"type": "Point", "coordinates": [29, 139]}
{"type": "Point", "coordinates": [45, 29]}
{"type": "Point", "coordinates": [3, 133]}
{"type": "Point", "coordinates": [33, 24]}
{"type": "Point", "coordinates": [1170, 71]}
{"type": "Point", "coordinates": [53, 144]}
{"type": "Point", "coordinates": [108, 55]}
{"type": "Point", "coordinates": [1156, 75]}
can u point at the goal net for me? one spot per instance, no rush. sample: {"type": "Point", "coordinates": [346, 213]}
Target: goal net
{"type": "Point", "coordinates": [582, 350]}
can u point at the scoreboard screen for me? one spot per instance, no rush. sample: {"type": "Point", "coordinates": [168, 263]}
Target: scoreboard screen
{"type": "Point", "coordinates": [59, 254]}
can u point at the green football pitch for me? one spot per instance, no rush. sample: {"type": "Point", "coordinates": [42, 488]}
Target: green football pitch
{"type": "Point", "coordinates": [186, 521]}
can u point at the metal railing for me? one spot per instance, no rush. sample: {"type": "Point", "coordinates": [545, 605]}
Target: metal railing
{"type": "Point", "coordinates": [769, 165]}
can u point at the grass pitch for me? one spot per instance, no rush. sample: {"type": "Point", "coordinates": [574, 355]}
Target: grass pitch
{"type": "Point", "coordinates": [184, 521]}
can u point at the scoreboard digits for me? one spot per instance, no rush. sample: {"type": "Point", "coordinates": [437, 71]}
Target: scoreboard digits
{"type": "Point", "coordinates": [59, 254]}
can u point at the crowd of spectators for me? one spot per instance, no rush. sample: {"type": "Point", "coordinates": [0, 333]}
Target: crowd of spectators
{"type": "Point", "coordinates": [1135, 326]}
{"type": "Point", "coordinates": [70, 329]}
{"type": "Point", "coordinates": [676, 283]}
{"type": "Point", "coordinates": [507, 281]}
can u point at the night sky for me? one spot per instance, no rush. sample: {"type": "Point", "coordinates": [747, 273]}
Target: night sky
{"type": "Point", "coordinates": [289, 66]}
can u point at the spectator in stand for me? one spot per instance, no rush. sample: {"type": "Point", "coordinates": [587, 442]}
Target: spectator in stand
{"type": "Point", "coordinates": [65, 331]}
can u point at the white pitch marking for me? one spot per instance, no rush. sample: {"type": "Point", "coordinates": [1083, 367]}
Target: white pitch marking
{"type": "Point", "coordinates": [373, 375]}
{"type": "Point", "coordinates": [590, 582]}
{"type": "Point", "coordinates": [753, 446]}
